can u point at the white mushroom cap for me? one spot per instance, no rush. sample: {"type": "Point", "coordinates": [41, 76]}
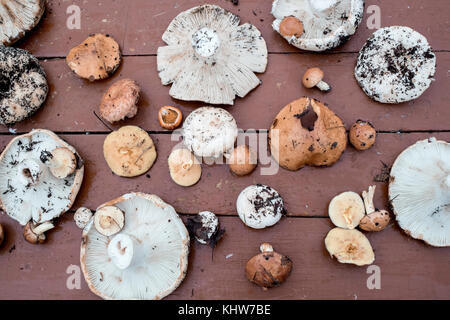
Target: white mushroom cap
{"type": "Point", "coordinates": [210, 132]}
{"type": "Point", "coordinates": [160, 247]}
{"type": "Point", "coordinates": [28, 191]}
{"type": "Point", "coordinates": [82, 217]}
{"type": "Point", "coordinates": [260, 206]}
{"type": "Point", "coordinates": [419, 191]}
{"type": "Point", "coordinates": [210, 57]}
{"type": "Point", "coordinates": [327, 23]}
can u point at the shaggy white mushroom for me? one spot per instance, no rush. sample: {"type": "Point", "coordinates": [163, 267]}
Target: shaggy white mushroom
{"type": "Point", "coordinates": [326, 23]}
{"type": "Point", "coordinates": [28, 190]}
{"type": "Point", "coordinates": [209, 57]}
{"type": "Point", "coordinates": [146, 260]}
{"type": "Point", "coordinates": [419, 191]}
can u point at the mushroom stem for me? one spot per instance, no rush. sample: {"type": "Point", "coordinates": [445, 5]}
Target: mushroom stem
{"type": "Point", "coordinates": [368, 199]}
{"type": "Point", "coordinates": [266, 247]}
{"type": "Point", "coordinates": [187, 164]}
{"type": "Point", "coordinates": [121, 250]}
{"type": "Point", "coordinates": [30, 172]}
{"type": "Point", "coordinates": [42, 228]}
{"type": "Point", "coordinates": [323, 86]}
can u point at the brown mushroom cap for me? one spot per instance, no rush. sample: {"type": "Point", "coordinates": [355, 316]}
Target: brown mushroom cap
{"type": "Point", "coordinates": [291, 26]}
{"type": "Point", "coordinates": [243, 160]}
{"type": "Point", "coordinates": [295, 143]}
{"type": "Point", "coordinates": [375, 221]}
{"type": "Point", "coordinates": [120, 100]}
{"type": "Point", "coordinates": [312, 77]}
{"type": "Point", "coordinates": [98, 57]}
{"type": "Point", "coordinates": [269, 268]}
{"type": "Point", "coordinates": [362, 135]}
{"type": "Point", "coordinates": [170, 117]}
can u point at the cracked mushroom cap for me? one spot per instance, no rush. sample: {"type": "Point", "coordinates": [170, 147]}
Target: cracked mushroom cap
{"type": "Point", "coordinates": [209, 57]}
{"type": "Point", "coordinates": [28, 190]}
{"type": "Point", "coordinates": [209, 132]}
{"type": "Point", "coordinates": [307, 133]}
{"type": "Point", "coordinates": [419, 191]}
{"type": "Point", "coordinates": [146, 260]}
{"type": "Point", "coordinates": [326, 23]}
{"type": "Point", "coordinates": [18, 17]}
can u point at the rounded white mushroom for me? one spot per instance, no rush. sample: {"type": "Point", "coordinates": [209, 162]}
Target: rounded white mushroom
{"type": "Point", "coordinates": [210, 132]}
{"type": "Point", "coordinates": [82, 217]}
{"type": "Point", "coordinates": [146, 260]}
{"type": "Point", "coordinates": [419, 191]}
{"type": "Point", "coordinates": [209, 57]}
{"type": "Point", "coordinates": [28, 190]}
{"type": "Point", "coordinates": [260, 206]}
{"type": "Point", "coordinates": [326, 23]}
{"type": "Point", "coordinates": [109, 220]}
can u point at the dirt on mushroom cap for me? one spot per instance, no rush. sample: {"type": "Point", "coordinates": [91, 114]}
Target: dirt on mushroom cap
{"type": "Point", "coordinates": [120, 100]}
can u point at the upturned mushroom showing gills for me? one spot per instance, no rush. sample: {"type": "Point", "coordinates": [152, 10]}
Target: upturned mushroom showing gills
{"type": "Point", "coordinates": [307, 133]}
{"type": "Point", "coordinates": [147, 259]}
{"type": "Point", "coordinates": [209, 57]}
{"type": "Point", "coordinates": [346, 210]}
{"type": "Point", "coordinates": [326, 24]}
{"type": "Point", "coordinates": [419, 191]}
{"type": "Point", "coordinates": [28, 189]}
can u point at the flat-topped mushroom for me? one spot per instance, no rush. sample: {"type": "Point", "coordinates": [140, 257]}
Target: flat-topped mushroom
{"type": "Point", "coordinates": [147, 259]}
{"type": "Point", "coordinates": [209, 57]}
{"type": "Point", "coordinates": [18, 17]}
{"type": "Point", "coordinates": [185, 170]}
{"type": "Point", "coordinates": [28, 189]}
{"type": "Point", "coordinates": [326, 24]}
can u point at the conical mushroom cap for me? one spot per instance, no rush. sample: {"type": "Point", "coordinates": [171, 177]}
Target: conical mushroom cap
{"type": "Point", "coordinates": [419, 191]}
{"type": "Point", "coordinates": [161, 247]}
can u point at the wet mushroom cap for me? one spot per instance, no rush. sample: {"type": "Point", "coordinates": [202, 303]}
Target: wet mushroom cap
{"type": "Point", "coordinates": [120, 101]}
{"type": "Point", "coordinates": [97, 57]}
{"type": "Point", "coordinates": [170, 117]}
{"type": "Point", "coordinates": [362, 135]}
{"type": "Point", "coordinates": [185, 169]}
{"type": "Point", "coordinates": [242, 161]}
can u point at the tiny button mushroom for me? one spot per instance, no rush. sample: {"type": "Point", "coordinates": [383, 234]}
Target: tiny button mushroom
{"type": "Point", "coordinates": [170, 117]}
{"type": "Point", "coordinates": [82, 217]}
{"type": "Point", "coordinates": [185, 169]}
{"type": "Point", "coordinates": [120, 101]}
{"type": "Point", "coordinates": [375, 220]}
{"type": "Point", "coordinates": [34, 233]}
{"type": "Point", "coordinates": [62, 163]}
{"type": "Point", "coordinates": [242, 161]}
{"type": "Point", "coordinates": [291, 26]}
{"type": "Point", "coordinates": [313, 78]}
{"type": "Point", "coordinates": [121, 250]}
{"type": "Point", "coordinates": [269, 268]}
{"type": "Point", "coordinates": [362, 135]}
{"type": "Point", "coordinates": [109, 220]}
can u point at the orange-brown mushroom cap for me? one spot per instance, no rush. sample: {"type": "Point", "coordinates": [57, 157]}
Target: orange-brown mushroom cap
{"type": "Point", "coordinates": [362, 135]}
{"type": "Point", "coordinates": [295, 143]}
{"type": "Point", "coordinates": [291, 26]}
{"type": "Point", "coordinates": [120, 100]}
{"type": "Point", "coordinates": [170, 117]}
{"type": "Point", "coordinates": [312, 77]}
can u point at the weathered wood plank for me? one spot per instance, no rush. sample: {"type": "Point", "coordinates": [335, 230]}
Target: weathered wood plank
{"type": "Point", "coordinates": [72, 101]}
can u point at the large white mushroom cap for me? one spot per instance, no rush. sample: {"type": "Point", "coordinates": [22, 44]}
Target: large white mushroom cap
{"type": "Point", "coordinates": [210, 57]}
{"type": "Point", "coordinates": [154, 243]}
{"type": "Point", "coordinates": [419, 191]}
{"type": "Point", "coordinates": [327, 23]}
{"type": "Point", "coordinates": [28, 190]}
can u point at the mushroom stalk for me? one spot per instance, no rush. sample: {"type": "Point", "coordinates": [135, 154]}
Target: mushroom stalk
{"type": "Point", "coordinates": [323, 86]}
{"type": "Point", "coordinates": [368, 199]}
{"type": "Point", "coordinates": [266, 247]}
{"type": "Point", "coordinates": [42, 228]}
{"type": "Point", "coordinates": [121, 251]}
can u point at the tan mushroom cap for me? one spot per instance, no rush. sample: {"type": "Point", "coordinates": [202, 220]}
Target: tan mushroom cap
{"type": "Point", "coordinates": [294, 143]}
{"type": "Point", "coordinates": [312, 77]}
{"type": "Point", "coordinates": [97, 57]}
{"type": "Point", "coordinates": [362, 135]}
{"type": "Point", "coordinates": [63, 162]}
{"type": "Point", "coordinates": [291, 26]}
{"type": "Point", "coordinates": [170, 117]}
{"type": "Point", "coordinates": [120, 100]}
{"type": "Point", "coordinates": [185, 169]}
{"type": "Point", "coordinates": [346, 210]}
{"type": "Point", "coordinates": [109, 220]}
{"type": "Point", "coordinates": [243, 160]}
{"type": "Point", "coordinates": [129, 151]}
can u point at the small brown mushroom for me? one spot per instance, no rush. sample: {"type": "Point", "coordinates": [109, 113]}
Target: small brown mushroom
{"type": "Point", "coordinates": [374, 220]}
{"type": "Point", "coordinates": [2, 235]}
{"type": "Point", "coordinates": [62, 162]}
{"type": "Point", "coordinates": [362, 135]}
{"type": "Point", "coordinates": [170, 117]}
{"type": "Point", "coordinates": [269, 268]}
{"type": "Point", "coordinates": [109, 220]}
{"type": "Point", "coordinates": [185, 169]}
{"type": "Point", "coordinates": [98, 57]}
{"type": "Point", "coordinates": [291, 26]}
{"type": "Point", "coordinates": [313, 78]}
{"type": "Point", "coordinates": [34, 233]}
{"type": "Point", "coordinates": [243, 160]}
{"type": "Point", "coordinates": [120, 101]}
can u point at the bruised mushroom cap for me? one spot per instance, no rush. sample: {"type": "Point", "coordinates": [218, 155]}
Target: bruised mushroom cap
{"type": "Point", "coordinates": [120, 101]}
{"type": "Point", "coordinates": [209, 57]}
{"type": "Point", "coordinates": [19, 17]}
{"type": "Point", "coordinates": [419, 191]}
{"type": "Point", "coordinates": [160, 245]}
{"type": "Point", "coordinates": [349, 246]}
{"type": "Point", "coordinates": [327, 23]}
{"type": "Point", "coordinates": [209, 132]}
{"type": "Point", "coordinates": [395, 65]}
{"type": "Point", "coordinates": [260, 206]}
{"type": "Point", "coordinates": [346, 210]}
{"type": "Point", "coordinates": [307, 133]}
{"type": "Point", "coordinates": [97, 57]}
{"type": "Point", "coordinates": [23, 85]}
{"type": "Point", "coordinates": [28, 190]}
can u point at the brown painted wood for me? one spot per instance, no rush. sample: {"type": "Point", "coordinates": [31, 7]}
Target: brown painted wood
{"type": "Point", "coordinates": [139, 24]}
{"type": "Point", "coordinates": [306, 192]}
{"type": "Point", "coordinates": [72, 101]}
{"type": "Point", "coordinates": [409, 268]}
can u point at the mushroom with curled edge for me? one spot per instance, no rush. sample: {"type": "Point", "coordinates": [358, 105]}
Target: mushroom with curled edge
{"type": "Point", "coordinates": [170, 117]}
{"type": "Point", "coordinates": [209, 57]}
{"type": "Point", "coordinates": [28, 189]}
{"type": "Point", "coordinates": [326, 23]}
{"type": "Point", "coordinates": [147, 259]}
{"type": "Point", "coordinates": [419, 191]}
{"type": "Point", "coordinates": [374, 220]}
